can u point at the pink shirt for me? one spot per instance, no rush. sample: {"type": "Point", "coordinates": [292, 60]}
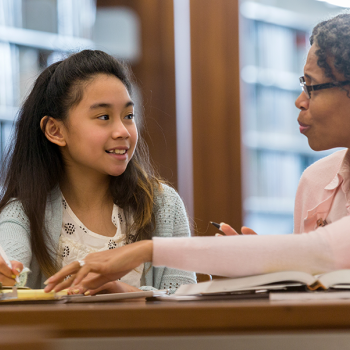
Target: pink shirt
{"type": "Point", "coordinates": [317, 250]}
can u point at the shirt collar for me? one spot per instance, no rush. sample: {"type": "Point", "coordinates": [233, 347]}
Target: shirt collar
{"type": "Point", "coordinates": [342, 174]}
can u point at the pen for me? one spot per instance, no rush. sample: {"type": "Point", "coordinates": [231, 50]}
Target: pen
{"type": "Point", "coordinates": [218, 226]}
{"type": "Point", "coordinates": [7, 261]}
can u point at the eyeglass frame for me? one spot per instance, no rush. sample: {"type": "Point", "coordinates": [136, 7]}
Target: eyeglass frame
{"type": "Point", "coordinates": [308, 88]}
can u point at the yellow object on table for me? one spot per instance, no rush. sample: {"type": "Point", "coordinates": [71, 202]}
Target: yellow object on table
{"type": "Point", "coordinates": [32, 294]}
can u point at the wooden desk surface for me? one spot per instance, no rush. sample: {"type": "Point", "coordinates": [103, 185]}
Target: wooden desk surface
{"type": "Point", "coordinates": [137, 318]}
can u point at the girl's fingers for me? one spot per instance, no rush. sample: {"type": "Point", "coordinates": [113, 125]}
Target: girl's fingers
{"type": "Point", "coordinates": [228, 230]}
{"type": "Point", "coordinates": [95, 291]}
{"type": "Point", "coordinates": [8, 282]}
{"type": "Point", "coordinates": [17, 267]}
{"type": "Point", "coordinates": [5, 270]}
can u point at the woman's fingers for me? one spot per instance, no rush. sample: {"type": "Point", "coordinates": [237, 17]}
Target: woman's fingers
{"type": "Point", "coordinates": [228, 230]}
{"type": "Point", "coordinates": [112, 264]}
{"type": "Point", "coordinates": [248, 231]}
{"type": "Point", "coordinates": [96, 283]}
{"type": "Point", "coordinates": [81, 274]}
{"type": "Point", "coordinates": [57, 279]}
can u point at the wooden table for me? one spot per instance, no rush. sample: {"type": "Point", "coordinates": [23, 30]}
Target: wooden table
{"type": "Point", "coordinates": [155, 320]}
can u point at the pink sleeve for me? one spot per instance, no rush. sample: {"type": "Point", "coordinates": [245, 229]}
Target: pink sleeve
{"type": "Point", "coordinates": [315, 252]}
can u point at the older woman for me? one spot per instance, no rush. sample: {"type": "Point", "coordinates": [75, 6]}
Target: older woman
{"type": "Point", "coordinates": [322, 203]}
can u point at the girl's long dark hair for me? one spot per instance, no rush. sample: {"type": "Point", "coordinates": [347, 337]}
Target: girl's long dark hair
{"type": "Point", "coordinates": [34, 166]}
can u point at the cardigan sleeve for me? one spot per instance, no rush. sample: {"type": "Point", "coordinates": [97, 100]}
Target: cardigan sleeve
{"type": "Point", "coordinates": [172, 221]}
{"type": "Point", "coordinates": [14, 233]}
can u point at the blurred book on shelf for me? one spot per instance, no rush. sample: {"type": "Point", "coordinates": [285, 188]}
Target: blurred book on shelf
{"type": "Point", "coordinates": [33, 35]}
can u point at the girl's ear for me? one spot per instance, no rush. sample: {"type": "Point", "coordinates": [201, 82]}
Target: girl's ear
{"type": "Point", "coordinates": [53, 130]}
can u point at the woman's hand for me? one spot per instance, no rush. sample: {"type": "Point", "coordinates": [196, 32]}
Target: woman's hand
{"type": "Point", "coordinates": [7, 276]}
{"type": "Point", "coordinates": [229, 231]}
{"type": "Point", "coordinates": [109, 265]}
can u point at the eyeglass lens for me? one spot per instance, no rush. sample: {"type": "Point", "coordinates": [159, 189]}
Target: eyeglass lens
{"type": "Point", "coordinates": [304, 87]}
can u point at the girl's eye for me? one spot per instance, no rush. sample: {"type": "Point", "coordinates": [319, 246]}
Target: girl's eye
{"type": "Point", "coordinates": [130, 116]}
{"type": "Point", "coordinates": [103, 117]}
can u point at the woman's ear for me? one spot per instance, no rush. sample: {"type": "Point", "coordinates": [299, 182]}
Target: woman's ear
{"type": "Point", "coordinates": [53, 130]}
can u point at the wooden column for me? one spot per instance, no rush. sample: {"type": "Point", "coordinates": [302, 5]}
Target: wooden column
{"type": "Point", "coordinates": [216, 113]}
{"type": "Point", "coordinates": [215, 101]}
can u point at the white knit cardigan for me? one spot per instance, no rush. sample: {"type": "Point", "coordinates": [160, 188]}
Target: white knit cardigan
{"type": "Point", "coordinates": [171, 221]}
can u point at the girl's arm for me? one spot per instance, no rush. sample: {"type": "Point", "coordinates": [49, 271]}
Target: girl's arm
{"type": "Point", "coordinates": [7, 274]}
{"type": "Point", "coordinates": [14, 240]}
{"type": "Point", "coordinates": [171, 221]}
{"type": "Point", "coordinates": [14, 233]}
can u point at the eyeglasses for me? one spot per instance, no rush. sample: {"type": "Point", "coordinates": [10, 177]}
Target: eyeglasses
{"type": "Point", "coordinates": [308, 88]}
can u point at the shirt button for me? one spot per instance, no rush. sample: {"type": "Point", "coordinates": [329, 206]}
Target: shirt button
{"type": "Point", "coordinates": [321, 222]}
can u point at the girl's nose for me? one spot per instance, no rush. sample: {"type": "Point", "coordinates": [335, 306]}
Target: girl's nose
{"type": "Point", "coordinates": [120, 130]}
{"type": "Point", "coordinates": [302, 102]}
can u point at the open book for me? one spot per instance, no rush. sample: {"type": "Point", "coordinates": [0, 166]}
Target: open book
{"type": "Point", "coordinates": [272, 281]}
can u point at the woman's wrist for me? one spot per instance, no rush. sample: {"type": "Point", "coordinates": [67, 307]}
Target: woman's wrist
{"type": "Point", "coordinates": [146, 250]}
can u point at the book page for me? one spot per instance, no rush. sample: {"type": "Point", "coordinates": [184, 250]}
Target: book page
{"type": "Point", "coordinates": [259, 281]}
{"type": "Point", "coordinates": [333, 278]}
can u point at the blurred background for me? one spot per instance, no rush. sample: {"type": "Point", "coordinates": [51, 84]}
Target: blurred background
{"type": "Point", "coordinates": [214, 80]}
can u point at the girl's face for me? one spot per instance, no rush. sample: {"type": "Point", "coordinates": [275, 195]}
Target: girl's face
{"type": "Point", "coordinates": [100, 132]}
{"type": "Point", "coordinates": [325, 117]}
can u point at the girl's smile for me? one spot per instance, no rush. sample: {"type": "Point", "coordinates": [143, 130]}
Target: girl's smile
{"type": "Point", "coordinates": [119, 153]}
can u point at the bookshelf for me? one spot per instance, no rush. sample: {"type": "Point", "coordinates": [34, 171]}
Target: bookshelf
{"type": "Point", "coordinates": [274, 45]}
{"type": "Point", "coordinates": [33, 34]}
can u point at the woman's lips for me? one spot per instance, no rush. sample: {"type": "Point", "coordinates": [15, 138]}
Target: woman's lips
{"type": "Point", "coordinates": [303, 128]}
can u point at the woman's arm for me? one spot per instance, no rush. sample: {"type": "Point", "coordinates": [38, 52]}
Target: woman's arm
{"type": "Point", "coordinates": [110, 265]}
{"type": "Point", "coordinates": [319, 251]}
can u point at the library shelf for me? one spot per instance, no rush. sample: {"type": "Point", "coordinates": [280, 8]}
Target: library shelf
{"type": "Point", "coordinates": [8, 113]}
{"type": "Point", "coordinates": [280, 142]}
{"type": "Point", "coordinates": [274, 15]}
{"type": "Point", "coordinates": [43, 40]}
{"type": "Point", "coordinates": [269, 205]}
{"type": "Point", "coordinates": [271, 78]}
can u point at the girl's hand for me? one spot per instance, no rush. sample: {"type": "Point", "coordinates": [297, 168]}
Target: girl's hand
{"type": "Point", "coordinates": [113, 287]}
{"type": "Point", "coordinates": [7, 276]}
{"type": "Point", "coordinates": [109, 265]}
{"type": "Point", "coordinates": [229, 231]}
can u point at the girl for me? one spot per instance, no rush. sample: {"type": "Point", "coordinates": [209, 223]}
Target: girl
{"type": "Point", "coordinates": [322, 205]}
{"type": "Point", "coordinates": [78, 178]}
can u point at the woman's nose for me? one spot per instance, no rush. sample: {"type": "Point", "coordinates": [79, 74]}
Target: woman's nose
{"type": "Point", "coordinates": [302, 102]}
